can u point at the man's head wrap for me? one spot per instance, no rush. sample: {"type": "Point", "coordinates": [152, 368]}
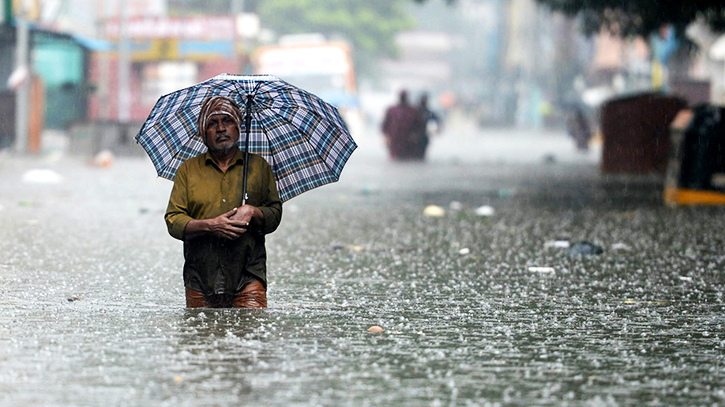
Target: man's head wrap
{"type": "Point", "coordinates": [217, 105]}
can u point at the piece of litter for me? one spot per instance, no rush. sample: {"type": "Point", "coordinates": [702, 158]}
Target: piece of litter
{"type": "Point", "coordinates": [42, 177]}
{"type": "Point", "coordinates": [434, 211]}
{"type": "Point", "coordinates": [585, 248]}
{"type": "Point", "coordinates": [103, 159]}
{"type": "Point", "coordinates": [178, 379]}
{"type": "Point", "coordinates": [375, 328]}
{"type": "Point", "coordinates": [485, 210]}
{"type": "Point", "coordinates": [645, 302]}
{"type": "Point", "coordinates": [348, 246]}
{"type": "Point", "coordinates": [71, 299]}
{"type": "Point", "coordinates": [557, 244]}
{"type": "Point", "coordinates": [685, 278]}
{"type": "Point", "coordinates": [464, 251]}
{"type": "Point", "coordinates": [542, 269]}
{"type": "Point", "coordinates": [621, 246]}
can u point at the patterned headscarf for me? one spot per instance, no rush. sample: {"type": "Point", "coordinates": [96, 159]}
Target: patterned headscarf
{"type": "Point", "coordinates": [217, 105]}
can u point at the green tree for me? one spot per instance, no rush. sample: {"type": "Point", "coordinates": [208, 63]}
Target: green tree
{"type": "Point", "coordinates": [369, 26]}
{"type": "Point", "coordinates": [629, 18]}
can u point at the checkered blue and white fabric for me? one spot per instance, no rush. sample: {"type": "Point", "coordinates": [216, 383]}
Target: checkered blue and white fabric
{"type": "Point", "coordinates": [302, 137]}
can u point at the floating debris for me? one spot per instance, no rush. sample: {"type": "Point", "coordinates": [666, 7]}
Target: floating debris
{"type": "Point", "coordinates": [685, 278]}
{"type": "Point", "coordinates": [485, 210]}
{"type": "Point", "coordinates": [542, 269]}
{"type": "Point", "coordinates": [464, 251]}
{"type": "Point", "coordinates": [72, 299]}
{"type": "Point", "coordinates": [178, 379]}
{"type": "Point", "coordinates": [628, 301]}
{"type": "Point", "coordinates": [103, 159]}
{"type": "Point", "coordinates": [40, 176]}
{"type": "Point", "coordinates": [621, 246]}
{"type": "Point", "coordinates": [348, 246]}
{"type": "Point", "coordinates": [434, 211]}
{"type": "Point", "coordinates": [557, 244]}
{"type": "Point", "coordinates": [585, 248]}
{"type": "Point", "coordinates": [375, 328]}
{"type": "Point", "coordinates": [455, 206]}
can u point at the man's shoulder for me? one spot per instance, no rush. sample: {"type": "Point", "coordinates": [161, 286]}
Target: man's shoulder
{"type": "Point", "coordinates": [190, 165]}
{"type": "Point", "coordinates": [196, 160]}
{"type": "Point", "coordinates": [258, 159]}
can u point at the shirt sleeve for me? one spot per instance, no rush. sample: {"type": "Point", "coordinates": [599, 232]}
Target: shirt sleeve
{"type": "Point", "coordinates": [271, 206]}
{"type": "Point", "coordinates": [177, 212]}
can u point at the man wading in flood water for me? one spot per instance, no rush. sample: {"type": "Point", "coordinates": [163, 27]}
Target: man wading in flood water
{"type": "Point", "coordinates": [224, 251]}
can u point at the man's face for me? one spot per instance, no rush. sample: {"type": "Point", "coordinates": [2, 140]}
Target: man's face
{"type": "Point", "coordinates": [221, 133]}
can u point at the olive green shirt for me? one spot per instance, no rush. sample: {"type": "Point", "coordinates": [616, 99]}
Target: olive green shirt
{"type": "Point", "coordinates": [201, 190]}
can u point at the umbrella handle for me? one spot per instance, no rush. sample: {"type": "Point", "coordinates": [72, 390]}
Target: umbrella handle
{"type": "Point", "coordinates": [247, 125]}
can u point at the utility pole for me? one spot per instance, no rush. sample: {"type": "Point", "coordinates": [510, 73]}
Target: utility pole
{"type": "Point", "coordinates": [104, 69]}
{"type": "Point", "coordinates": [124, 66]}
{"type": "Point", "coordinates": [22, 96]}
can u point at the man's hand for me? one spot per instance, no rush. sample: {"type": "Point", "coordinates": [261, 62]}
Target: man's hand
{"type": "Point", "coordinates": [249, 215]}
{"type": "Point", "coordinates": [225, 226]}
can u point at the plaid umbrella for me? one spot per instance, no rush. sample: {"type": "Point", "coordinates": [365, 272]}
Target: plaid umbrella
{"type": "Point", "coordinates": [302, 137]}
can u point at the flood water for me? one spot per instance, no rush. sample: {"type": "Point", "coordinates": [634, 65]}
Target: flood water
{"type": "Point", "coordinates": [475, 310]}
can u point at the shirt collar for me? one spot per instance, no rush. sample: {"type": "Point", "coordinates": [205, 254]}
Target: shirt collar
{"type": "Point", "coordinates": [238, 157]}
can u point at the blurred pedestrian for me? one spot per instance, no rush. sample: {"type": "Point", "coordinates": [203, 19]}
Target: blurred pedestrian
{"type": "Point", "coordinates": [224, 243]}
{"type": "Point", "coordinates": [403, 127]}
{"type": "Point", "coordinates": [577, 125]}
{"type": "Point", "coordinates": [431, 125]}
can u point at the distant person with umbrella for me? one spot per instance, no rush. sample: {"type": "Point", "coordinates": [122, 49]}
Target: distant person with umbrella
{"type": "Point", "coordinates": [403, 128]}
{"type": "Point", "coordinates": [224, 242]}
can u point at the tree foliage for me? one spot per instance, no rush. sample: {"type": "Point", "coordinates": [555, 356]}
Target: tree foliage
{"type": "Point", "coordinates": [369, 26]}
{"type": "Point", "coordinates": [629, 18]}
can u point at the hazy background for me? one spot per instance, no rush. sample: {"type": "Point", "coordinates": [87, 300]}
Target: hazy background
{"type": "Point", "coordinates": [485, 63]}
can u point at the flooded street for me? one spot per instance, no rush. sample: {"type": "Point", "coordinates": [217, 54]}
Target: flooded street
{"type": "Point", "coordinates": [476, 310]}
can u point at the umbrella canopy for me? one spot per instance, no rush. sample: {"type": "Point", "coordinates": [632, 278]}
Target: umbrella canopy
{"type": "Point", "coordinates": [302, 137]}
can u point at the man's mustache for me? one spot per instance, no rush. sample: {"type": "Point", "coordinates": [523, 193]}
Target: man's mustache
{"type": "Point", "coordinates": [221, 136]}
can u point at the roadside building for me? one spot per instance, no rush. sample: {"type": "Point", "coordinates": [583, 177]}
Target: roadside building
{"type": "Point", "coordinates": [56, 74]}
